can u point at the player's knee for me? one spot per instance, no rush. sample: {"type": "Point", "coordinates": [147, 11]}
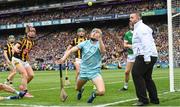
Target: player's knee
{"type": "Point", "coordinates": [14, 72]}
{"type": "Point", "coordinates": [31, 76]}
{"type": "Point", "coordinates": [1, 86]}
{"type": "Point", "coordinates": [24, 74]}
{"type": "Point", "coordinates": [101, 92]}
{"type": "Point", "coordinates": [127, 72]}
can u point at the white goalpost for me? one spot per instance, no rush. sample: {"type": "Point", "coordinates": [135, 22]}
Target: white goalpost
{"type": "Point", "coordinates": [170, 42]}
{"type": "Point", "coordinates": [173, 9]}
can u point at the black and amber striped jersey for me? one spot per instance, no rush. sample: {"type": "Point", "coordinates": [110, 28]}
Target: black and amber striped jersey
{"type": "Point", "coordinates": [75, 42]}
{"type": "Point", "coordinates": [8, 48]}
{"type": "Point", "coordinates": [26, 45]}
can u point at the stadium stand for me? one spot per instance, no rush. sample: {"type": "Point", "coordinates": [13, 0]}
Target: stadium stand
{"type": "Point", "coordinates": [52, 43]}
{"type": "Point", "coordinates": [82, 12]}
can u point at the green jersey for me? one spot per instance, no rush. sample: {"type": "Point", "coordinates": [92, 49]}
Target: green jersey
{"type": "Point", "coordinates": [128, 37]}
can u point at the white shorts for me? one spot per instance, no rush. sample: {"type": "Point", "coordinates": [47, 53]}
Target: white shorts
{"type": "Point", "coordinates": [78, 60]}
{"type": "Point", "coordinates": [131, 58]}
{"type": "Point", "coordinates": [10, 66]}
{"type": "Point", "coordinates": [16, 61]}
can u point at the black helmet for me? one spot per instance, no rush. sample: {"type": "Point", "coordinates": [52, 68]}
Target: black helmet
{"type": "Point", "coordinates": [80, 30]}
{"type": "Point", "coordinates": [11, 38]}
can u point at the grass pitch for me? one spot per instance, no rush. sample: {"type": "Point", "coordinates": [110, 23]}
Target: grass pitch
{"type": "Point", "coordinates": [46, 88]}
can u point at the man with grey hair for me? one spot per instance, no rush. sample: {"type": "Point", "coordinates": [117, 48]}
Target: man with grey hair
{"type": "Point", "coordinates": [146, 54]}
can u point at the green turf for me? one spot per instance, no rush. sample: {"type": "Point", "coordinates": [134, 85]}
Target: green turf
{"type": "Point", "coordinates": [45, 87]}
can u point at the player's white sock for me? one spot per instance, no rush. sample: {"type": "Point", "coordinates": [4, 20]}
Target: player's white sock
{"type": "Point", "coordinates": [126, 85]}
{"type": "Point", "coordinates": [17, 92]}
{"type": "Point", "coordinates": [7, 98]}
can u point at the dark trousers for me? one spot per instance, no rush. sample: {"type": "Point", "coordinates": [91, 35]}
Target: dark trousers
{"type": "Point", "coordinates": [142, 77]}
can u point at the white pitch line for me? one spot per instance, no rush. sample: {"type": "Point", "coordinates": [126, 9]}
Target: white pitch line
{"type": "Point", "coordinates": [69, 87]}
{"type": "Point", "coordinates": [123, 101]}
{"type": "Point", "coordinates": [26, 105]}
{"type": "Point", "coordinates": [104, 105]}
{"type": "Point", "coordinates": [54, 88]}
{"type": "Point", "coordinates": [114, 103]}
{"type": "Point", "coordinates": [89, 85]}
{"type": "Point", "coordinates": [65, 87]}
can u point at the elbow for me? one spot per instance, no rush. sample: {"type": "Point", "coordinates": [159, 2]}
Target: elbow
{"type": "Point", "coordinates": [68, 52]}
{"type": "Point", "coordinates": [69, 47]}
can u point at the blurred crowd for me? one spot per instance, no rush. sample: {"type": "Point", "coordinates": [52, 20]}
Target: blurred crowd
{"type": "Point", "coordinates": [27, 4]}
{"type": "Point", "coordinates": [52, 45]}
{"type": "Point", "coordinates": [176, 45]}
{"type": "Point", "coordinates": [82, 12]}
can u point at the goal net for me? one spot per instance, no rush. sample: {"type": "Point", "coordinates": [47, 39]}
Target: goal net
{"type": "Point", "coordinates": [173, 8]}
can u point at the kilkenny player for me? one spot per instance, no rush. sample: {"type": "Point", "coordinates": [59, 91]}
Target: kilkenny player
{"type": "Point", "coordinates": [21, 58]}
{"type": "Point", "coordinates": [8, 57]}
{"type": "Point", "coordinates": [80, 38]}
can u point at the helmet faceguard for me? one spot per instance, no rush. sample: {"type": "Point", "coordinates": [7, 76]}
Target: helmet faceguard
{"type": "Point", "coordinates": [81, 32]}
{"type": "Point", "coordinates": [11, 39]}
